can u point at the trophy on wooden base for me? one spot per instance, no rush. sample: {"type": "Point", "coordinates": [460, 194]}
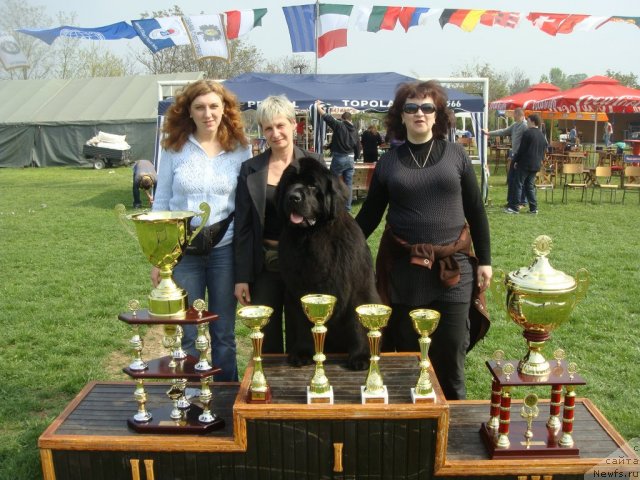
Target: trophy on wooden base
{"type": "Point", "coordinates": [374, 317]}
{"type": "Point", "coordinates": [539, 299]}
{"type": "Point", "coordinates": [425, 321]}
{"type": "Point", "coordinates": [255, 317]}
{"type": "Point", "coordinates": [318, 308]}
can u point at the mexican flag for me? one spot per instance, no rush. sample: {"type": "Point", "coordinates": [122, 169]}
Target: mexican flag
{"type": "Point", "coordinates": [374, 19]}
{"type": "Point", "coordinates": [333, 20]}
{"type": "Point", "coordinates": [240, 22]}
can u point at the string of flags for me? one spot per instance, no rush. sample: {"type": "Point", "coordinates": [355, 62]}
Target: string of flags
{"type": "Point", "coordinates": [316, 27]}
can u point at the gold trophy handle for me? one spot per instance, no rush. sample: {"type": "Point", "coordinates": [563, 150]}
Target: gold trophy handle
{"type": "Point", "coordinates": [121, 210]}
{"type": "Point", "coordinates": [582, 279]}
{"type": "Point", "coordinates": [497, 282]}
{"type": "Point", "coordinates": [204, 215]}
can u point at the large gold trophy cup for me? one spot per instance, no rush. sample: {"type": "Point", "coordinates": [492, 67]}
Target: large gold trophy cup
{"type": "Point", "coordinates": [255, 317]}
{"type": "Point", "coordinates": [164, 236]}
{"type": "Point", "coordinates": [318, 308]}
{"type": "Point", "coordinates": [374, 317]}
{"type": "Point", "coordinates": [424, 321]}
{"type": "Point", "coordinates": [539, 299]}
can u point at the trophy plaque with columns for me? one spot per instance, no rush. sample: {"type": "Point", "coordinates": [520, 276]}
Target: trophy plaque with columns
{"type": "Point", "coordinates": [538, 299]}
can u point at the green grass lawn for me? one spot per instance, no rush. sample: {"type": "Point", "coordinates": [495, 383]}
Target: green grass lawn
{"type": "Point", "coordinates": [68, 269]}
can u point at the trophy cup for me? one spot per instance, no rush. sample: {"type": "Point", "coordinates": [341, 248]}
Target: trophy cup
{"type": "Point", "coordinates": [540, 299]}
{"type": "Point", "coordinates": [424, 322]}
{"type": "Point", "coordinates": [318, 308]}
{"type": "Point", "coordinates": [255, 318]}
{"type": "Point", "coordinates": [374, 317]}
{"type": "Point", "coordinates": [164, 236]}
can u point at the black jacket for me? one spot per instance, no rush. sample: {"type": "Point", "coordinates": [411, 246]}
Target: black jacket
{"type": "Point", "coordinates": [531, 151]}
{"type": "Point", "coordinates": [251, 196]}
{"type": "Point", "coordinates": [345, 137]}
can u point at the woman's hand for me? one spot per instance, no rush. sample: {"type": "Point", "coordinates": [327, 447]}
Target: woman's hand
{"type": "Point", "coordinates": [485, 272]}
{"type": "Point", "coordinates": [155, 276]}
{"type": "Point", "coordinates": [242, 294]}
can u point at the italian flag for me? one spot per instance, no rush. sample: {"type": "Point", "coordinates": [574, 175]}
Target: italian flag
{"type": "Point", "coordinates": [240, 22]}
{"type": "Point", "coordinates": [333, 20]}
{"type": "Point", "coordinates": [374, 19]}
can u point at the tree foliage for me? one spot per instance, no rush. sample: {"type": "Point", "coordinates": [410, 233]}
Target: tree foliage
{"type": "Point", "coordinates": [560, 79]}
{"type": "Point", "coordinates": [629, 79]}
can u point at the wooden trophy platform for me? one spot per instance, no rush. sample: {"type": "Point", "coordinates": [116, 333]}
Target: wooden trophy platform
{"type": "Point", "coordinates": [159, 368]}
{"type": "Point", "coordinates": [543, 444]}
{"type": "Point", "coordinates": [162, 423]}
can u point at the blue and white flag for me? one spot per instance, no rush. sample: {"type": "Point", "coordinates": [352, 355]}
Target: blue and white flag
{"type": "Point", "coordinates": [207, 35]}
{"type": "Point", "coordinates": [116, 31]}
{"type": "Point", "coordinates": [302, 27]}
{"type": "Point", "coordinates": [10, 54]}
{"type": "Point", "coordinates": [161, 32]}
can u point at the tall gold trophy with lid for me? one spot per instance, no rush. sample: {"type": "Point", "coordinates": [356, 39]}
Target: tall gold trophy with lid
{"type": "Point", "coordinates": [539, 299]}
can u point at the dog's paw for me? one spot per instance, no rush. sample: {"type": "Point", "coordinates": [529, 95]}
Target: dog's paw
{"type": "Point", "coordinates": [299, 359]}
{"type": "Point", "coordinates": [358, 361]}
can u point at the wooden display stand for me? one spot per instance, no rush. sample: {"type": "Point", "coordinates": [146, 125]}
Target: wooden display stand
{"type": "Point", "coordinates": [289, 439]}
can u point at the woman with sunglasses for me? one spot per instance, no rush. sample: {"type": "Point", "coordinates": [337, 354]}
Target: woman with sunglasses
{"type": "Point", "coordinates": [435, 222]}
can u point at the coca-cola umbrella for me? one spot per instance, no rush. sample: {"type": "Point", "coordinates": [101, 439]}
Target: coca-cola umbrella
{"type": "Point", "coordinates": [593, 94]}
{"type": "Point", "coordinates": [522, 99]}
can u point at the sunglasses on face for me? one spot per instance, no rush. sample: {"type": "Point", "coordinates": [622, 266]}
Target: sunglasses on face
{"type": "Point", "coordinates": [412, 108]}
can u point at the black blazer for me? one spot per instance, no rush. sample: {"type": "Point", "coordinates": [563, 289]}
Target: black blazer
{"type": "Point", "coordinates": [251, 195]}
{"type": "Point", "coordinates": [531, 151]}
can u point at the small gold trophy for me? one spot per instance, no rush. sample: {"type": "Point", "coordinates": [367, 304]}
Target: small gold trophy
{"type": "Point", "coordinates": [255, 318]}
{"type": "Point", "coordinates": [529, 412]}
{"type": "Point", "coordinates": [374, 317]}
{"type": "Point", "coordinates": [424, 322]}
{"type": "Point", "coordinates": [318, 308]}
{"type": "Point", "coordinates": [164, 236]}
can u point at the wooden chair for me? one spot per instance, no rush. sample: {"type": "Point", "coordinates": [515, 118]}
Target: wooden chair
{"type": "Point", "coordinates": [602, 181]}
{"type": "Point", "coordinates": [544, 182]}
{"type": "Point", "coordinates": [571, 171]}
{"type": "Point", "coordinates": [631, 181]}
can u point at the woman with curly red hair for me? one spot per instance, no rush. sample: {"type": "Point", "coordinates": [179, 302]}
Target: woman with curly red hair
{"type": "Point", "coordinates": [203, 148]}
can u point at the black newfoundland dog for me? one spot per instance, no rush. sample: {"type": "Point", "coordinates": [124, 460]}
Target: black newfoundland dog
{"type": "Point", "coordinates": [322, 250]}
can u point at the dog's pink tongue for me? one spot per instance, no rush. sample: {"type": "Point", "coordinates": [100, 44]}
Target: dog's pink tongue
{"type": "Point", "coordinates": [296, 218]}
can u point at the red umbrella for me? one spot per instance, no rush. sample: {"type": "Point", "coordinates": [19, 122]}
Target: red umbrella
{"type": "Point", "coordinates": [522, 99]}
{"type": "Point", "coordinates": [593, 94]}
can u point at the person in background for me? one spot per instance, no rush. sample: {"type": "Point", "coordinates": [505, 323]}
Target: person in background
{"type": "Point", "coordinates": [144, 177]}
{"type": "Point", "coordinates": [370, 140]}
{"type": "Point", "coordinates": [515, 131]}
{"type": "Point", "coordinates": [257, 224]}
{"type": "Point", "coordinates": [573, 136]}
{"type": "Point", "coordinates": [608, 131]}
{"type": "Point", "coordinates": [527, 163]}
{"type": "Point", "coordinates": [435, 214]}
{"type": "Point", "coordinates": [344, 143]}
{"type": "Point", "coordinates": [203, 148]}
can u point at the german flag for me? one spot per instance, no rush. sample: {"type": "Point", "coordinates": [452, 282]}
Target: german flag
{"type": "Point", "coordinates": [467, 20]}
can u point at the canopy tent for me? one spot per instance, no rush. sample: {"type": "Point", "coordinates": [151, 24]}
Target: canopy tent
{"type": "Point", "coordinates": [593, 94]}
{"type": "Point", "coordinates": [361, 91]}
{"type": "Point", "coordinates": [47, 122]}
{"type": "Point", "coordinates": [521, 99]}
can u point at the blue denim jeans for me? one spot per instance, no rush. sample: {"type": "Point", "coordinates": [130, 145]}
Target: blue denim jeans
{"type": "Point", "coordinates": [342, 166]}
{"type": "Point", "coordinates": [214, 274]}
{"type": "Point", "coordinates": [525, 187]}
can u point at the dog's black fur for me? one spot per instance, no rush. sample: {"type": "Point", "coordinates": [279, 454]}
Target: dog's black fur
{"type": "Point", "coordinates": [322, 250]}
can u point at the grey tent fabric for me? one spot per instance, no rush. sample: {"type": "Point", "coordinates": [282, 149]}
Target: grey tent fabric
{"type": "Point", "coordinates": [46, 122]}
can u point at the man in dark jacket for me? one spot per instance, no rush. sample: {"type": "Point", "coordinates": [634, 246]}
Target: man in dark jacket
{"type": "Point", "coordinates": [526, 163]}
{"type": "Point", "coordinates": [344, 143]}
{"type": "Point", "coordinates": [145, 178]}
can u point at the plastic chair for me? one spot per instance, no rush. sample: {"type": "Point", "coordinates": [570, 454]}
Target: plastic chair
{"type": "Point", "coordinates": [603, 182]}
{"type": "Point", "coordinates": [631, 181]}
{"type": "Point", "coordinates": [568, 180]}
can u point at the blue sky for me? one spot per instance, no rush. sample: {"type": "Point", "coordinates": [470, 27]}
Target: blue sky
{"type": "Point", "coordinates": [427, 52]}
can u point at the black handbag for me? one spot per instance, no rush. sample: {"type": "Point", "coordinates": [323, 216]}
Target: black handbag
{"type": "Point", "coordinates": [209, 237]}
